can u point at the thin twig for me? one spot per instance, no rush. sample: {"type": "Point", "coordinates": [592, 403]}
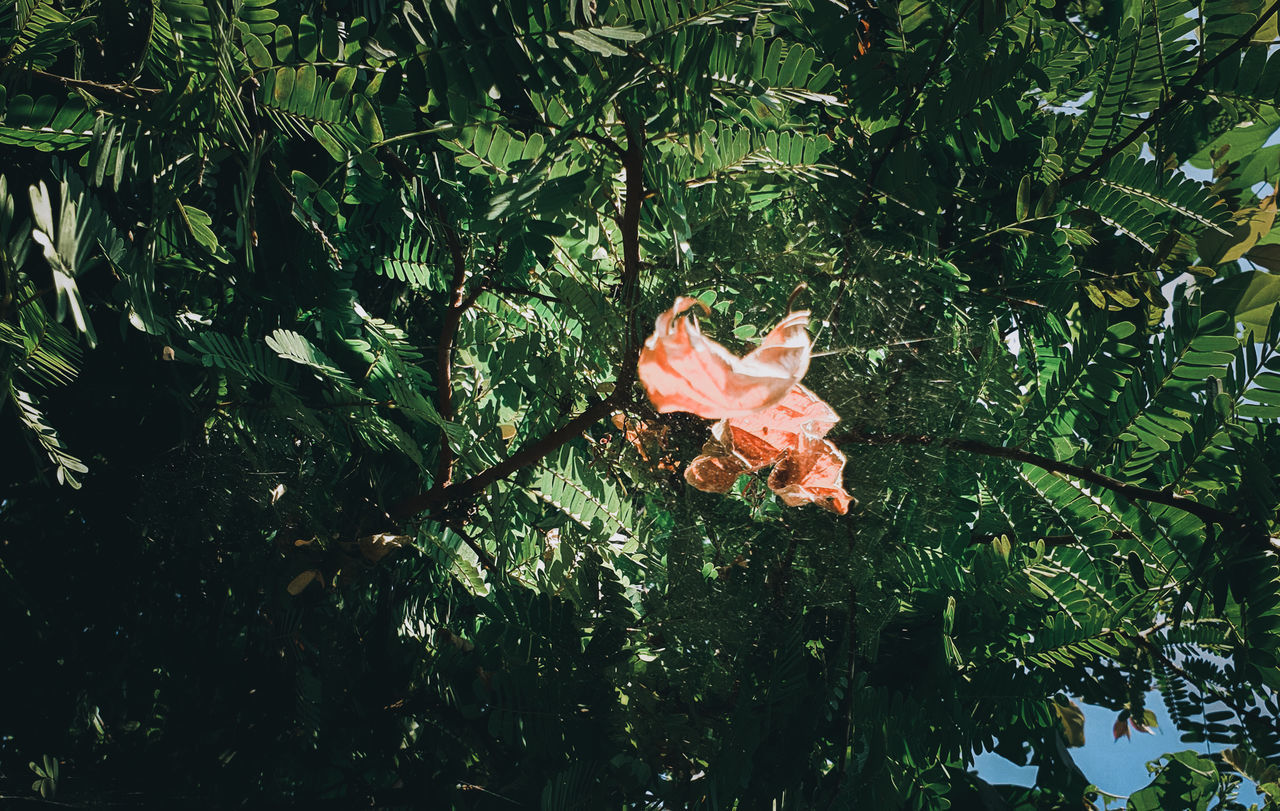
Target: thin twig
{"type": "Point", "coordinates": [1146, 644]}
{"type": "Point", "coordinates": [332, 250]}
{"type": "Point", "coordinates": [38, 294]}
{"type": "Point", "coordinates": [1049, 540]}
{"type": "Point", "coordinates": [1207, 514]}
{"type": "Point", "coordinates": [594, 137]}
{"type": "Point", "coordinates": [1173, 102]}
{"type": "Point", "coordinates": [124, 90]}
{"type": "Point", "coordinates": [851, 663]}
{"type": "Point", "coordinates": [908, 109]}
{"type": "Point", "coordinates": [629, 226]}
{"type": "Point", "coordinates": [521, 291]}
{"type": "Point", "coordinates": [482, 554]}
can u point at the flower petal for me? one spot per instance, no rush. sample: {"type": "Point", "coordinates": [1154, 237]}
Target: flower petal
{"type": "Point", "coordinates": [1120, 727]}
{"type": "Point", "coordinates": [760, 439]}
{"type": "Point", "coordinates": [715, 470]}
{"type": "Point", "coordinates": [812, 473]}
{"type": "Point", "coordinates": [800, 412]}
{"type": "Point", "coordinates": [683, 370]}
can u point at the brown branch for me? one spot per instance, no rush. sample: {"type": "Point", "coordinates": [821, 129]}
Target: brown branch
{"type": "Point", "coordinates": [482, 554]}
{"type": "Point", "coordinates": [125, 90]}
{"type": "Point", "coordinates": [310, 221]}
{"type": "Point", "coordinates": [847, 703]}
{"type": "Point", "coordinates": [1049, 540]}
{"type": "Point", "coordinates": [593, 137]}
{"type": "Point", "coordinates": [570, 132]}
{"type": "Point", "coordinates": [17, 307]}
{"type": "Point", "coordinates": [355, 404]}
{"type": "Point", "coordinates": [521, 291]}
{"type": "Point", "coordinates": [1173, 102]}
{"type": "Point", "coordinates": [459, 302]}
{"type": "Point", "coordinates": [1207, 514]}
{"type": "Point", "coordinates": [629, 225]}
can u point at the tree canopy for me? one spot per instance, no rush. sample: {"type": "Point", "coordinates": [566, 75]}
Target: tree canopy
{"type": "Point", "coordinates": [327, 474]}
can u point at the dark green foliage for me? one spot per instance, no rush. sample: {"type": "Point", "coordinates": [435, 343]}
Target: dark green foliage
{"type": "Point", "coordinates": [313, 318]}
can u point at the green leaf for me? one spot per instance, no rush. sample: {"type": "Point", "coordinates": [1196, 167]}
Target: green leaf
{"type": "Point", "coordinates": [1250, 297]}
{"type": "Point", "coordinates": [292, 346]}
{"type": "Point", "coordinates": [1269, 32]}
{"type": "Point", "coordinates": [593, 43]}
{"type": "Point", "coordinates": [69, 239]}
{"type": "Point", "coordinates": [1072, 719]}
{"type": "Point", "coordinates": [30, 412]}
{"type": "Point", "coordinates": [1048, 200]}
{"type": "Point", "coordinates": [1022, 207]}
{"type": "Point", "coordinates": [619, 33]}
{"type": "Point", "coordinates": [585, 496]}
{"type": "Point", "coordinates": [198, 223]}
{"type": "Point", "coordinates": [1266, 255]}
{"type": "Point", "coordinates": [1187, 781]}
{"type": "Point", "coordinates": [1252, 223]}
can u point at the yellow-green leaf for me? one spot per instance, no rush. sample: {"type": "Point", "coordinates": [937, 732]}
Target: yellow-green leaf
{"type": "Point", "coordinates": [1251, 224]}
{"type": "Point", "coordinates": [1072, 718]}
{"type": "Point", "coordinates": [299, 583]}
{"type": "Point", "coordinates": [1250, 297]}
{"type": "Point", "coordinates": [1269, 32]}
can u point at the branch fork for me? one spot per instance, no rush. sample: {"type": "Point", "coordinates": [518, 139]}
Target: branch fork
{"type": "Point", "coordinates": [444, 490]}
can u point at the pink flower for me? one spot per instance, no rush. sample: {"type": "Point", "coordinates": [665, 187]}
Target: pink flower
{"type": "Point", "coordinates": [765, 416]}
{"type": "Point", "coordinates": [683, 370]}
{"type": "Point", "coordinates": [789, 434]}
{"type": "Point", "coordinates": [812, 473]}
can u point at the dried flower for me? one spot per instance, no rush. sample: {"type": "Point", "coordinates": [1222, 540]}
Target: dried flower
{"type": "Point", "coordinates": [683, 370]}
{"type": "Point", "coordinates": [765, 416]}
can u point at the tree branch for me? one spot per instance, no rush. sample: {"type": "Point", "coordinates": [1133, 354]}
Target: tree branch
{"type": "Point", "coordinates": [459, 302]}
{"type": "Point", "coordinates": [1049, 540]}
{"type": "Point", "coordinates": [1207, 514]}
{"type": "Point", "coordinates": [847, 703]}
{"type": "Point", "coordinates": [522, 291]}
{"type": "Point", "coordinates": [1173, 102]}
{"type": "Point", "coordinates": [126, 91]}
{"type": "Point", "coordinates": [594, 137]}
{"type": "Point", "coordinates": [17, 307]}
{"type": "Point", "coordinates": [629, 225]}
{"type": "Point", "coordinates": [482, 554]}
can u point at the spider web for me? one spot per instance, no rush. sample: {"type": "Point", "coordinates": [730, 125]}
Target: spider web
{"type": "Point", "coordinates": [896, 354]}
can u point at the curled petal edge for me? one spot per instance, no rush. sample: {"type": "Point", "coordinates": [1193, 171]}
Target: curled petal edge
{"type": "Point", "coordinates": [683, 370]}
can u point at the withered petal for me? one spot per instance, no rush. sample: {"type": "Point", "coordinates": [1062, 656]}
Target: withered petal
{"type": "Point", "coordinates": [714, 474]}
{"type": "Point", "coordinates": [812, 473]}
{"type": "Point", "coordinates": [762, 438]}
{"type": "Point", "coordinates": [683, 370]}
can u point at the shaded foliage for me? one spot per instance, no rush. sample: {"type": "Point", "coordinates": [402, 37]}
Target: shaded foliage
{"type": "Point", "coordinates": [313, 316]}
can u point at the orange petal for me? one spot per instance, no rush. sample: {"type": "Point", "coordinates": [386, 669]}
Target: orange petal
{"type": "Point", "coordinates": [1120, 727]}
{"type": "Point", "coordinates": [800, 412]}
{"type": "Point", "coordinates": [760, 439]}
{"type": "Point", "coordinates": [683, 370]}
{"type": "Point", "coordinates": [752, 452]}
{"type": "Point", "coordinates": [646, 439]}
{"type": "Point", "coordinates": [811, 473]}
